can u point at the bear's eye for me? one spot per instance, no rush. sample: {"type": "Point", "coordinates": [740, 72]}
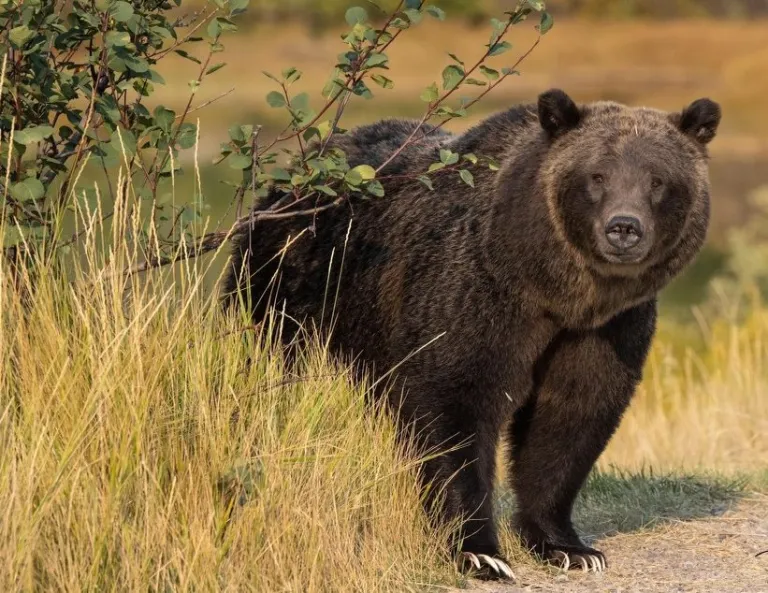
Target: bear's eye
{"type": "Point", "coordinates": [597, 178]}
{"type": "Point", "coordinates": [656, 183]}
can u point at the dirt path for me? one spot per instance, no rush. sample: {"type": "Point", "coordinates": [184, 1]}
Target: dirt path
{"type": "Point", "coordinates": [715, 555]}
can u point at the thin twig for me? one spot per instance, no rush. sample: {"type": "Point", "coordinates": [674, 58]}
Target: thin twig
{"type": "Point", "coordinates": [212, 241]}
{"type": "Point", "coordinates": [221, 96]}
{"type": "Point", "coordinates": [433, 106]}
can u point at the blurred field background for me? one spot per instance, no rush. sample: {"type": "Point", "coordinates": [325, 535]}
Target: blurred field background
{"type": "Point", "coordinates": [128, 425]}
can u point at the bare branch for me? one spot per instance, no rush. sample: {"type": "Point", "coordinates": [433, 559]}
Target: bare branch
{"type": "Point", "coordinates": [212, 241]}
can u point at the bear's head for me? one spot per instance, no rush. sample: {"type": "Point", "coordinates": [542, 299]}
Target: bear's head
{"type": "Point", "coordinates": [625, 186]}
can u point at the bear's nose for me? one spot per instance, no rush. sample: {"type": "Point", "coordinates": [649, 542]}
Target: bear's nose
{"type": "Point", "coordinates": [624, 232]}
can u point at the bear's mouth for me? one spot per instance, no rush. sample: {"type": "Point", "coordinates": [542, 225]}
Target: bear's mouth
{"type": "Point", "coordinates": [636, 256]}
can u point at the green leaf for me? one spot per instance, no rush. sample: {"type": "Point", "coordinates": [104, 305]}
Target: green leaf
{"type": "Point", "coordinates": [436, 12]}
{"type": "Point", "coordinates": [353, 177]}
{"type": "Point", "coordinates": [436, 167]}
{"type": "Point", "coordinates": [275, 99]}
{"type": "Point", "coordinates": [187, 135]}
{"type": "Point", "coordinates": [413, 15]}
{"type": "Point", "coordinates": [28, 190]}
{"type": "Point", "coordinates": [451, 76]}
{"type": "Point", "coordinates": [467, 177]}
{"type": "Point", "coordinates": [310, 133]}
{"type": "Point", "coordinates": [291, 75]}
{"type": "Point", "coordinates": [471, 157]}
{"type": "Point", "coordinates": [361, 90]}
{"type": "Point", "coordinates": [136, 64]}
{"type": "Point", "coordinates": [240, 161]}
{"type": "Point", "coordinates": [121, 11]}
{"type": "Point", "coordinates": [118, 38]}
{"type": "Point", "coordinates": [214, 29]}
{"type": "Point", "coordinates": [499, 48]}
{"type": "Point", "coordinates": [375, 188]}
{"type": "Point", "coordinates": [325, 189]}
{"type": "Point", "coordinates": [237, 7]}
{"type": "Point", "coordinates": [356, 15]}
{"type": "Point", "coordinates": [226, 25]}
{"type": "Point", "coordinates": [128, 143]}
{"type": "Point", "coordinates": [32, 134]}
{"type": "Point", "coordinates": [300, 101]}
{"type": "Point", "coordinates": [537, 5]}
{"type": "Point", "coordinates": [430, 94]}
{"type": "Point", "coordinates": [376, 59]}
{"type": "Point", "coordinates": [445, 110]}
{"type": "Point", "coordinates": [279, 174]}
{"type": "Point", "coordinates": [164, 118]}
{"type": "Point", "coordinates": [475, 82]}
{"type": "Point", "coordinates": [155, 77]}
{"type": "Point", "coordinates": [456, 59]}
{"type": "Point", "coordinates": [498, 27]}
{"type": "Point", "coordinates": [427, 181]}
{"type": "Point", "coordinates": [20, 35]}
{"type": "Point", "coordinates": [448, 157]}
{"type": "Point", "coordinates": [186, 55]}
{"type": "Point", "coordinates": [489, 73]}
{"type": "Point", "coordinates": [215, 67]}
{"type": "Point", "coordinates": [366, 172]}
{"type": "Point", "coordinates": [382, 81]}
{"type": "Point", "coordinates": [237, 134]}
{"type": "Point", "coordinates": [546, 23]}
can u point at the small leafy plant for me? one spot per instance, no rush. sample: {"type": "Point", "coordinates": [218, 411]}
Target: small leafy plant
{"type": "Point", "coordinates": [75, 81]}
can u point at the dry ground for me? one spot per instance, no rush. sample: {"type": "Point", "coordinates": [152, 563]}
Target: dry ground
{"type": "Point", "coordinates": [716, 554]}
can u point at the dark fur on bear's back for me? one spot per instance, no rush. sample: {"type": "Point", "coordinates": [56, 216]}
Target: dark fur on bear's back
{"type": "Point", "coordinates": [506, 308]}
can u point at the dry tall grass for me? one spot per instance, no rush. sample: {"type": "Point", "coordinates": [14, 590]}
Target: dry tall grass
{"type": "Point", "coordinates": [705, 409]}
{"type": "Point", "coordinates": [139, 451]}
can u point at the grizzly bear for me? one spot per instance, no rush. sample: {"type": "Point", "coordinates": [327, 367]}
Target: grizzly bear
{"type": "Point", "coordinates": [519, 309]}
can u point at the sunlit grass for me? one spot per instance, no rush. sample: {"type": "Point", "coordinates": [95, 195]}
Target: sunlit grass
{"type": "Point", "coordinates": [146, 441]}
{"type": "Point", "coordinates": [703, 408]}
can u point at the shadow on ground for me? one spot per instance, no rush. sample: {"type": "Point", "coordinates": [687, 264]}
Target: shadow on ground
{"type": "Point", "coordinates": [621, 502]}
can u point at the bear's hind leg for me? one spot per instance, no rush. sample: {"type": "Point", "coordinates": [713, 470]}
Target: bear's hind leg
{"type": "Point", "coordinates": [584, 384]}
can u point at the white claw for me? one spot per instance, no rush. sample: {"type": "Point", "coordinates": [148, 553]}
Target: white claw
{"type": "Point", "coordinates": [472, 559]}
{"type": "Point", "coordinates": [505, 568]}
{"type": "Point", "coordinates": [565, 560]}
{"type": "Point", "coordinates": [596, 564]}
{"type": "Point", "coordinates": [583, 562]}
{"type": "Point", "coordinates": [499, 567]}
{"type": "Point", "coordinates": [490, 562]}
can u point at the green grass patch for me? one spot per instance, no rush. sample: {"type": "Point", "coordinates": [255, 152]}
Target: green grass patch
{"type": "Point", "coordinates": [620, 502]}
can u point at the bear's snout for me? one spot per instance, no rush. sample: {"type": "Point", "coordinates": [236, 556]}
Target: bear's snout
{"type": "Point", "coordinates": [624, 232]}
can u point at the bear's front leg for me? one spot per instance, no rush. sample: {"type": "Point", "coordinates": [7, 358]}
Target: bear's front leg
{"type": "Point", "coordinates": [583, 384]}
{"type": "Point", "coordinates": [461, 480]}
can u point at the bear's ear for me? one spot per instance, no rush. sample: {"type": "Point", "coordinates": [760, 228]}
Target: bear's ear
{"type": "Point", "coordinates": [699, 120]}
{"type": "Point", "coordinates": [557, 113]}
